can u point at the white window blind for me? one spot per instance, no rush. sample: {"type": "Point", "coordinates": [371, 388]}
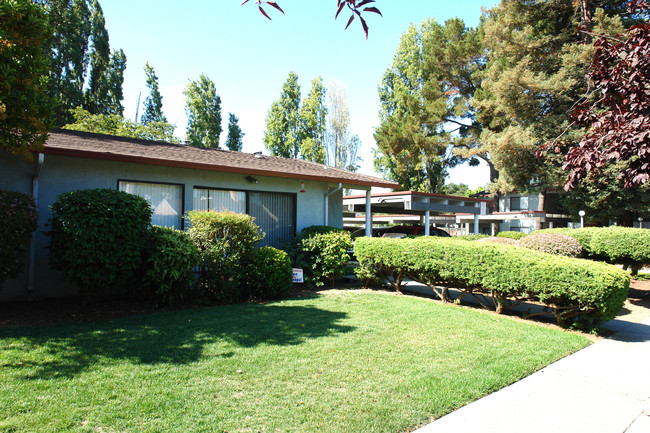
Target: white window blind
{"type": "Point", "coordinates": [219, 200]}
{"type": "Point", "coordinates": [166, 201]}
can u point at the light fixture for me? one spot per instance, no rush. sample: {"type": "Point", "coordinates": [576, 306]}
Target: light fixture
{"type": "Point", "coordinates": [582, 218]}
{"type": "Point", "coordinates": [302, 187]}
{"type": "Point", "coordinates": [251, 179]}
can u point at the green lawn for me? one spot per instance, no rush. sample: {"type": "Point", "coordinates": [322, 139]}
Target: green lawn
{"type": "Point", "coordinates": [344, 361]}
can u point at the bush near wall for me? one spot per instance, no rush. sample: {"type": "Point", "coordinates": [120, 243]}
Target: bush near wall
{"type": "Point", "coordinates": [18, 219]}
{"type": "Point", "coordinates": [268, 273]}
{"type": "Point", "coordinates": [223, 240]}
{"type": "Point", "coordinates": [575, 289]}
{"type": "Point", "coordinates": [97, 237]}
{"type": "Point", "coordinates": [626, 246]}
{"type": "Point", "coordinates": [321, 252]}
{"type": "Point", "coordinates": [169, 258]}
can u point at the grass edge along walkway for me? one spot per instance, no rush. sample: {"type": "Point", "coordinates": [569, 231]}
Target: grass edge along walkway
{"type": "Point", "coordinates": [339, 361]}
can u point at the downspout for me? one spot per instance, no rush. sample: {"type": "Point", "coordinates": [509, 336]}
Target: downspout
{"type": "Point", "coordinates": [327, 204]}
{"type": "Point", "coordinates": [32, 244]}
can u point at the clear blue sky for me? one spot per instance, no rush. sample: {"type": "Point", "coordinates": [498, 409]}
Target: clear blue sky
{"type": "Point", "coordinates": [249, 57]}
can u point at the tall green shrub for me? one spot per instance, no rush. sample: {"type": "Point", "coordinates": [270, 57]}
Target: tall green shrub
{"type": "Point", "coordinates": [321, 252]}
{"type": "Point", "coordinates": [97, 237]}
{"type": "Point", "coordinates": [223, 240]}
{"type": "Point", "coordinates": [268, 273]}
{"type": "Point", "coordinates": [170, 256]}
{"type": "Point", "coordinates": [18, 218]}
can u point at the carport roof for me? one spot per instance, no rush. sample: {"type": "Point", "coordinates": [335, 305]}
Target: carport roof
{"type": "Point", "coordinates": [415, 203]}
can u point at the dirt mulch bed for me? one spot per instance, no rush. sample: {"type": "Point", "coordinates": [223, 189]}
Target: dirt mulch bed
{"type": "Point", "coordinates": [66, 310]}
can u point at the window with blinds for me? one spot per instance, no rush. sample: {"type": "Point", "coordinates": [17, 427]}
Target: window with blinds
{"type": "Point", "coordinates": [219, 200]}
{"type": "Point", "coordinates": [275, 213]}
{"type": "Point", "coordinates": [166, 201]}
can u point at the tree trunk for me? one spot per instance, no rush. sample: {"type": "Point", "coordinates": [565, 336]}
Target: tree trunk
{"type": "Point", "coordinates": [540, 206]}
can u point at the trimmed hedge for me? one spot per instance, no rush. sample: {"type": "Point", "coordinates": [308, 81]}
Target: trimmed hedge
{"type": "Point", "coordinates": [223, 240]}
{"type": "Point", "coordinates": [625, 246]}
{"type": "Point", "coordinates": [97, 238]}
{"type": "Point", "coordinates": [170, 256]}
{"type": "Point", "coordinates": [19, 218]}
{"type": "Point", "coordinates": [470, 237]}
{"type": "Point", "coordinates": [499, 240]}
{"type": "Point", "coordinates": [321, 252]}
{"type": "Point", "coordinates": [268, 273]}
{"type": "Point", "coordinates": [512, 235]}
{"type": "Point", "coordinates": [552, 243]}
{"type": "Point", "coordinates": [575, 289]}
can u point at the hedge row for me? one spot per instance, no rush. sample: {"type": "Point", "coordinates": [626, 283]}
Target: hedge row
{"type": "Point", "coordinates": [626, 246]}
{"type": "Point", "coordinates": [575, 289]}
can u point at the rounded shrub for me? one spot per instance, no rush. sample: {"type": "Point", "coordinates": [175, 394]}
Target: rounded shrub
{"type": "Point", "coordinates": [552, 243]}
{"type": "Point", "coordinates": [97, 237]}
{"type": "Point", "coordinates": [223, 240]}
{"type": "Point", "coordinates": [623, 245]}
{"type": "Point", "coordinates": [19, 218]}
{"type": "Point", "coordinates": [170, 256]}
{"type": "Point", "coordinates": [500, 240]}
{"type": "Point", "coordinates": [268, 273]}
{"type": "Point", "coordinates": [512, 235]}
{"type": "Point", "coordinates": [321, 252]}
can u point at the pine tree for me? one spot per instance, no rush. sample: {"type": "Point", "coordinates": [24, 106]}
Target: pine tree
{"type": "Point", "coordinates": [235, 136]}
{"type": "Point", "coordinates": [96, 96]}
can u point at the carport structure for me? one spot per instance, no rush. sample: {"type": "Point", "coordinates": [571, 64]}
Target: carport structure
{"type": "Point", "coordinates": [413, 203]}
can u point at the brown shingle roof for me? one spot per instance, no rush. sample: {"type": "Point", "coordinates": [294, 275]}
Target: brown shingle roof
{"type": "Point", "coordinates": [113, 148]}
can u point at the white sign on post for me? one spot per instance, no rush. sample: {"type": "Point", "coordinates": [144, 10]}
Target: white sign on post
{"type": "Point", "coordinates": [297, 276]}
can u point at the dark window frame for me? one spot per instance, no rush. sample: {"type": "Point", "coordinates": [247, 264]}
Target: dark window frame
{"type": "Point", "coordinates": [151, 182]}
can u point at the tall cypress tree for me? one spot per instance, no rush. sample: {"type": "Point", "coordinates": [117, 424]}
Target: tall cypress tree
{"type": "Point", "coordinates": [234, 140]}
{"type": "Point", "coordinates": [153, 104]}
{"type": "Point", "coordinates": [203, 107]}
{"type": "Point", "coordinates": [282, 135]}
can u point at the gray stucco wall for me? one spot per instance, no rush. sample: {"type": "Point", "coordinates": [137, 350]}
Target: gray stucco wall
{"type": "Point", "coordinates": [63, 174]}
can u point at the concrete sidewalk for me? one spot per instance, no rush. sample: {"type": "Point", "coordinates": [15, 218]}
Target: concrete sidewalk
{"type": "Point", "coordinates": [604, 388]}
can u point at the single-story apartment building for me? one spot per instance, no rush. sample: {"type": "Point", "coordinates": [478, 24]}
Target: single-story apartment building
{"type": "Point", "coordinates": [284, 195]}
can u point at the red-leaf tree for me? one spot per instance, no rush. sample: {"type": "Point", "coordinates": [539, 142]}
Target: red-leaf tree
{"type": "Point", "coordinates": [356, 9]}
{"type": "Point", "coordinates": [619, 121]}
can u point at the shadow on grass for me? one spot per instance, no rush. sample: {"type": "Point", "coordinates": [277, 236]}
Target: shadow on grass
{"type": "Point", "coordinates": [173, 337]}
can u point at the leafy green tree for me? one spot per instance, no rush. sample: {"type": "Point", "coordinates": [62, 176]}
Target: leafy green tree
{"type": "Point", "coordinates": [25, 106]}
{"type": "Point", "coordinates": [203, 108]}
{"type": "Point", "coordinates": [234, 140]}
{"type": "Point", "coordinates": [536, 72]}
{"type": "Point", "coordinates": [104, 93]}
{"type": "Point", "coordinates": [313, 118]}
{"type": "Point", "coordinates": [153, 104]}
{"type": "Point", "coordinates": [425, 104]}
{"type": "Point", "coordinates": [114, 124]}
{"type": "Point", "coordinates": [115, 78]}
{"type": "Point", "coordinates": [282, 134]}
{"type": "Point", "coordinates": [72, 26]}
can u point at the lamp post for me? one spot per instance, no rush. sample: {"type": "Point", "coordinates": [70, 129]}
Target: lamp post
{"type": "Point", "coordinates": [582, 218]}
{"type": "Point", "coordinates": [640, 222]}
